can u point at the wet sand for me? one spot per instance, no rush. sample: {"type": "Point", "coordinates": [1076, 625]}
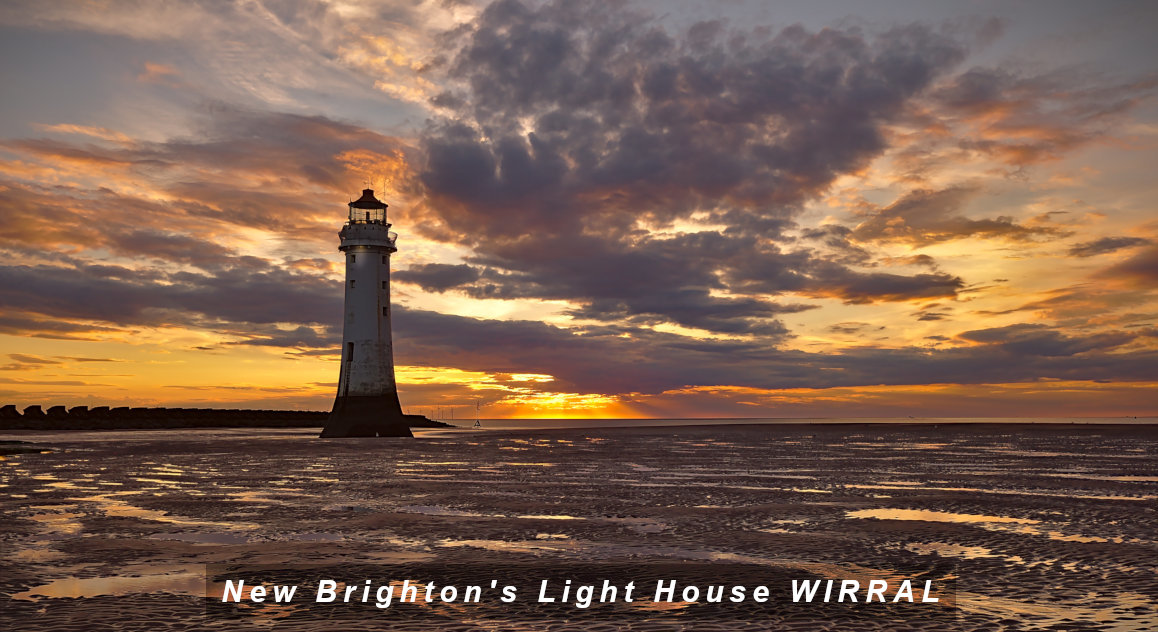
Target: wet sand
{"type": "Point", "coordinates": [1043, 527]}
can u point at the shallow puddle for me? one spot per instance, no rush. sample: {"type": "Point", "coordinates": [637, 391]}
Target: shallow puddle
{"type": "Point", "coordinates": [112, 506]}
{"type": "Point", "coordinates": [432, 510]}
{"type": "Point", "coordinates": [945, 549]}
{"type": "Point", "coordinates": [934, 516]}
{"type": "Point", "coordinates": [184, 581]}
{"type": "Point", "coordinates": [202, 538]}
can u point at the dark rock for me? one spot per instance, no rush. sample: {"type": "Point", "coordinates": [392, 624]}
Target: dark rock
{"type": "Point", "coordinates": [57, 412]}
{"type": "Point", "coordinates": [422, 421]}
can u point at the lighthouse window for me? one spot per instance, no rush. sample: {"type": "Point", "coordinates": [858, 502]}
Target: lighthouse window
{"type": "Point", "coordinates": [349, 352]}
{"type": "Point", "coordinates": [384, 311]}
{"type": "Point", "coordinates": [384, 259]}
{"type": "Point", "coordinates": [353, 258]}
{"type": "Point", "coordinates": [383, 285]}
{"type": "Point", "coordinates": [351, 283]}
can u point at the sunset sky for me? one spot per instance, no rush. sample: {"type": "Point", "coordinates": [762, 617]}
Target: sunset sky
{"type": "Point", "coordinates": [641, 209]}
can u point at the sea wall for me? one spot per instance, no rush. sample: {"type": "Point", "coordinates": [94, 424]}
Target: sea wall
{"type": "Point", "coordinates": [35, 417]}
{"type": "Point", "coordinates": [125, 418]}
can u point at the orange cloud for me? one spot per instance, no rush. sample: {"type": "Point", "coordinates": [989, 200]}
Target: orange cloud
{"type": "Point", "coordinates": [158, 73]}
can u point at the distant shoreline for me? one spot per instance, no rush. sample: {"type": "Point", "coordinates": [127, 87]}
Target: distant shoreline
{"type": "Point", "coordinates": [83, 418]}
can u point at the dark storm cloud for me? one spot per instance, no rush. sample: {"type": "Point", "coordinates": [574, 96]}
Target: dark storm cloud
{"type": "Point", "coordinates": [1140, 271]}
{"type": "Point", "coordinates": [167, 246]}
{"type": "Point", "coordinates": [300, 337]}
{"type": "Point", "coordinates": [1039, 340]}
{"type": "Point", "coordinates": [655, 280]}
{"type": "Point", "coordinates": [860, 287]}
{"type": "Point", "coordinates": [438, 277]}
{"type": "Point", "coordinates": [290, 146]}
{"type": "Point", "coordinates": [573, 122]}
{"type": "Point", "coordinates": [837, 239]}
{"type": "Point", "coordinates": [1106, 245]}
{"type": "Point", "coordinates": [126, 297]}
{"type": "Point", "coordinates": [589, 269]}
{"type": "Point", "coordinates": [694, 308]}
{"type": "Point", "coordinates": [606, 108]}
{"type": "Point", "coordinates": [37, 326]}
{"type": "Point", "coordinates": [925, 217]}
{"type": "Point", "coordinates": [673, 278]}
{"type": "Point", "coordinates": [770, 272]}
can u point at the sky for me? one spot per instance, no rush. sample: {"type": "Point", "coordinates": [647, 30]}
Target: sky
{"type": "Point", "coordinates": [605, 209]}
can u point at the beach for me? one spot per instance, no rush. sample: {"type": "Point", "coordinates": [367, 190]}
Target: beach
{"type": "Point", "coordinates": [1019, 526]}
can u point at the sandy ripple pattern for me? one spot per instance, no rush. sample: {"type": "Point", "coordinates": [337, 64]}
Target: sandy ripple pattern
{"type": "Point", "coordinates": [1045, 527]}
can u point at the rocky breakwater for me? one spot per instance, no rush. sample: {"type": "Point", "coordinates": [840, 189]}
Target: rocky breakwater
{"type": "Point", "coordinates": [125, 418]}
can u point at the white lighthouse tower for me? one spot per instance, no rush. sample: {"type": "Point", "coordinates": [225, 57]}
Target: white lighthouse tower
{"type": "Point", "coordinates": [367, 401]}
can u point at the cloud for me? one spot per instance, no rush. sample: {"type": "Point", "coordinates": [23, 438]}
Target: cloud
{"type": "Point", "coordinates": [1024, 119]}
{"type": "Point", "coordinates": [25, 362]}
{"type": "Point", "coordinates": [1106, 245]}
{"type": "Point", "coordinates": [1027, 339]}
{"type": "Point", "coordinates": [30, 359]}
{"type": "Point", "coordinates": [37, 326]}
{"type": "Point", "coordinates": [127, 297]}
{"type": "Point", "coordinates": [604, 112]}
{"type": "Point", "coordinates": [438, 277]}
{"type": "Point", "coordinates": [573, 129]}
{"type": "Point", "coordinates": [301, 337]}
{"type": "Point", "coordinates": [837, 239]}
{"type": "Point", "coordinates": [852, 328]}
{"type": "Point", "coordinates": [922, 217]}
{"type": "Point", "coordinates": [101, 133]}
{"type": "Point", "coordinates": [1140, 271]}
{"type": "Point", "coordinates": [158, 73]}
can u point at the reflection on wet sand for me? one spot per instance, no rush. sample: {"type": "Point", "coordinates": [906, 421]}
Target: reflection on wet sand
{"type": "Point", "coordinates": [183, 580]}
{"type": "Point", "coordinates": [934, 516]}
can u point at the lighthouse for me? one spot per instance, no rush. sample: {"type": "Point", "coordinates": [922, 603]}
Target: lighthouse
{"type": "Point", "coordinates": [367, 401]}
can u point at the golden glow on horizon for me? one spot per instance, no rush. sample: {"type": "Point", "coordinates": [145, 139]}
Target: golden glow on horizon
{"type": "Point", "coordinates": [548, 405]}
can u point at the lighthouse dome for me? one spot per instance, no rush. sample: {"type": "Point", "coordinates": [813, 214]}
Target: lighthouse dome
{"type": "Point", "coordinates": [368, 209]}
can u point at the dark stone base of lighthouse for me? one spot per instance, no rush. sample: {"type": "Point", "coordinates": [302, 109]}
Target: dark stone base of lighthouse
{"type": "Point", "coordinates": [367, 416]}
